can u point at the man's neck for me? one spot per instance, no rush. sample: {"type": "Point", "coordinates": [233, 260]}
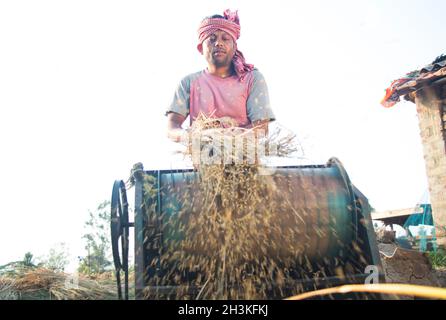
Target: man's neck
{"type": "Point", "coordinates": [222, 72]}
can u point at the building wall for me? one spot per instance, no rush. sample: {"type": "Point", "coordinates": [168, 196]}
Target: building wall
{"type": "Point", "coordinates": [431, 108]}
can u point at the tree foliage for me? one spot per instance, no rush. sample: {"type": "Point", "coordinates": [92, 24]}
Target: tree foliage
{"type": "Point", "coordinates": [57, 259]}
{"type": "Point", "coordinates": [28, 260]}
{"type": "Point", "coordinates": [97, 241]}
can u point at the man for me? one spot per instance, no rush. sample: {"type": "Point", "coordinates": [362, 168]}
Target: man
{"type": "Point", "coordinates": [229, 87]}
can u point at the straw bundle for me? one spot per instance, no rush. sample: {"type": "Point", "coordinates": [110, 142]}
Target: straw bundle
{"type": "Point", "coordinates": [225, 143]}
{"type": "Point", "coordinates": [44, 284]}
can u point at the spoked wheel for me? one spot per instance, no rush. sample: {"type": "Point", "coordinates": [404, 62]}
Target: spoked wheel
{"type": "Point", "coordinates": [119, 226]}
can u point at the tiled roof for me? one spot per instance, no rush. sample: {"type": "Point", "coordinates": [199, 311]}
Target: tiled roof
{"type": "Point", "coordinates": [414, 80]}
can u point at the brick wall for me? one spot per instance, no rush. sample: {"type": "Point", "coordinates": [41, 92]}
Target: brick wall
{"type": "Point", "coordinates": [431, 108]}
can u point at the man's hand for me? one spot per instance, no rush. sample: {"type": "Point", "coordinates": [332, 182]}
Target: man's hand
{"type": "Point", "coordinates": [260, 125]}
{"type": "Point", "coordinates": [174, 130]}
{"type": "Point", "coordinates": [176, 135]}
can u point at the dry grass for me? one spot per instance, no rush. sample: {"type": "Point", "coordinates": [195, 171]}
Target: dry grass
{"type": "Point", "coordinates": [7, 289]}
{"type": "Point", "coordinates": [235, 145]}
{"type": "Point", "coordinates": [44, 284]}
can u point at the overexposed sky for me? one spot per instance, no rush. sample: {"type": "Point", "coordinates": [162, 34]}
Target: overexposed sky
{"type": "Point", "coordinates": [84, 85]}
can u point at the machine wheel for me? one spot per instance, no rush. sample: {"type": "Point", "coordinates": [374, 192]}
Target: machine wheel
{"type": "Point", "coordinates": [119, 226]}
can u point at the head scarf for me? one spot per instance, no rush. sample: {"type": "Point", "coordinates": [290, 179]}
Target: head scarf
{"type": "Point", "coordinates": [231, 25]}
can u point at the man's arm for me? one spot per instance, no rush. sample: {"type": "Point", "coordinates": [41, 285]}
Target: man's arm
{"type": "Point", "coordinates": [174, 129]}
{"type": "Point", "coordinates": [258, 105]}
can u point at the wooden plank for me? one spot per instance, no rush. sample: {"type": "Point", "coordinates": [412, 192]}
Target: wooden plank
{"type": "Point", "coordinates": [395, 213]}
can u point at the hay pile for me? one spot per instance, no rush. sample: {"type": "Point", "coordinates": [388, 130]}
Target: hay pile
{"type": "Point", "coordinates": [225, 229]}
{"type": "Point", "coordinates": [226, 143]}
{"type": "Point", "coordinates": [43, 284]}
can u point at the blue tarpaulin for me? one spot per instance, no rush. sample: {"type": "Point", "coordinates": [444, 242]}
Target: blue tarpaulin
{"type": "Point", "coordinates": [423, 220]}
{"type": "Point", "coordinates": [420, 218]}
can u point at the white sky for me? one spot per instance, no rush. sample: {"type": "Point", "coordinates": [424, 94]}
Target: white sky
{"type": "Point", "coordinates": [83, 87]}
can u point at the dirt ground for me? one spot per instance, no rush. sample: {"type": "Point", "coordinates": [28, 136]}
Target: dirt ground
{"type": "Point", "coordinates": [409, 266]}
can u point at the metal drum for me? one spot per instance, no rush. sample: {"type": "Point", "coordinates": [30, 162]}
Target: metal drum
{"type": "Point", "coordinates": [312, 206]}
{"type": "Point", "coordinates": [316, 220]}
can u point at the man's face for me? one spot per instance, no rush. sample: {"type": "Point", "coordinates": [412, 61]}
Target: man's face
{"type": "Point", "coordinates": [219, 49]}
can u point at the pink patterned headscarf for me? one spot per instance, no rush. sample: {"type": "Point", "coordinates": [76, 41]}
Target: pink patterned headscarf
{"type": "Point", "coordinates": [231, 25]}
